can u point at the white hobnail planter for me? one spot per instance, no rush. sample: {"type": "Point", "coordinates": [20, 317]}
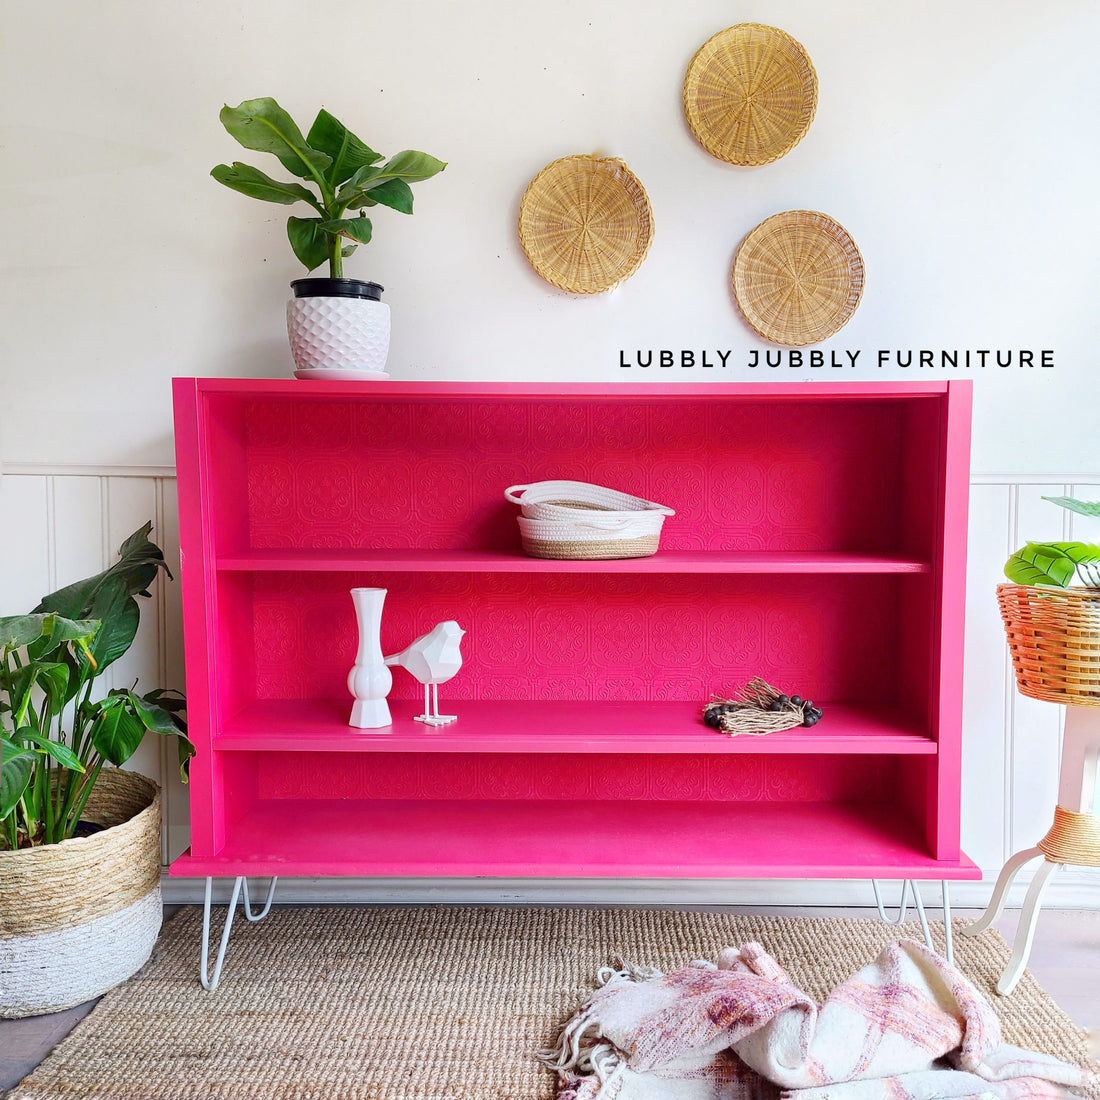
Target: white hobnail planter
{"type": "Point", "coordinates": [369, 680]}
{"type": "Point", "coordinates": [338, 334]}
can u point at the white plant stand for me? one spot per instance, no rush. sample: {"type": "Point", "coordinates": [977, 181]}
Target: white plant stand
{"type": "Point", "coordinates": [1074, 838]}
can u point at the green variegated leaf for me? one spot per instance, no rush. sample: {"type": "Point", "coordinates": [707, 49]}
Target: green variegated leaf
{"type": "Point", "coordinates": [1051, 563]}
{"type": "Point", "coordinates": [309, 241]}
{"type": "Point", "coordinates": [257, 185]}
{"type": "Point", "coordinates": [348, 153]}
{"type": "Point", "coordinates": [1082, 507]}
{"type": "Point", "coordinates": [263, 125]}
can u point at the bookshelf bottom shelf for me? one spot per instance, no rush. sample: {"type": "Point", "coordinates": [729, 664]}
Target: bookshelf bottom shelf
{"type": "Point", "coordinates": [546, 839]}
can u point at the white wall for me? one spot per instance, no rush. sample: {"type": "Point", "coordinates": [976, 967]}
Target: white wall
{"type": "Point", "coordinates": [955, 139]}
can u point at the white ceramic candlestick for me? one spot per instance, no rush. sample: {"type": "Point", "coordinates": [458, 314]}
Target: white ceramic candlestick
{"type": "Point", "coordinates": [369, 679]}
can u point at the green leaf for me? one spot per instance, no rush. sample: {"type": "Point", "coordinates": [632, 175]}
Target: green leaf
{"type": "Point", "coordinates": [1050, 562]}
{"type": "Point", "coordinates": [348, 153]}
{"type": "Point", "coordinates": [151, 716]}
{"type": "Point", "coordinates": [138, 563]}
{"type": "Point", "coordinates": [56, 749]}
{"type": "Point", "coordinates": [412, 166]}
{"type": "Point", "coordinates": [396, 194]}
{"type": "Point", "coordinates": [16, 768]}
{"type": "Point", "coordinates": [263, 125]}
{"type": "Point", "coordinates": [347, 250]}
{"type": "Point", "coordinates": [258, 185]}
{"type": "Point", "coordinates": [409, 167]}
{"type": "Point", "coordinates": [1082, 507]}
{"type": "Point", "coordinates": [186, 750]}
{"type": "Point", "coordinates": [116, 733]}
{"type": "Point", "coordinates": [54, 678]}
{"type": "Point", "coordinates": [120, 616]}
{"type": "Point", "coordinates": [355, 229]}
{"type": "Point", "coordinates": [20, 630]}
{"type": "Point", "coordinates": [309, 241]}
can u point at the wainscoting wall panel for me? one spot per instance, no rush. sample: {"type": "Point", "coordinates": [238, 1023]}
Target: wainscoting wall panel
{"type": "Point", "coordinates": [65, 522]}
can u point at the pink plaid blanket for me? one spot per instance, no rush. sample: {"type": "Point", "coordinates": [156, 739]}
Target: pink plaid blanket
{"type": "Point", "coordinates": [908, 1026]}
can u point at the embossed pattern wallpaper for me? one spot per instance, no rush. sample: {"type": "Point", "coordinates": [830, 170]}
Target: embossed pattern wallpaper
{"type": "Point", "coordinates": [433, 474]}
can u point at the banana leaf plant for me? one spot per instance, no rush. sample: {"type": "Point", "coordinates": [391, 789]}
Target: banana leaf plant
{"type": "Point", "coordinates": [56, 732]}
{"type": "Point", "coordinates": [345, 173]}
{"type": "Point", "coordinates": [1056, 563]}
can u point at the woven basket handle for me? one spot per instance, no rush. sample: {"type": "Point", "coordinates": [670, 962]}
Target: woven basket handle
{"type": "Point", "coordinates": [511, 492]}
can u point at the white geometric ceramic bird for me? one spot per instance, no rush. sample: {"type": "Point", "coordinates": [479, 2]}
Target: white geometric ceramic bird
{"type": "Point", "coordinates": [433, 659]}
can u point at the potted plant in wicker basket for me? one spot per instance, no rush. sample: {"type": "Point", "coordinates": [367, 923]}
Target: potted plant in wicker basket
{"type": "Point", "coordinates": [338, 327]}
{"type": "Point", "coordinates": [80, 858]}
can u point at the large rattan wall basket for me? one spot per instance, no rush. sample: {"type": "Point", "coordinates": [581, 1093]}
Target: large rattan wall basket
{"type": "Point", "coordinates": [797, 277]}
{"type": "Point", "coordinates": [585, 223]}
{"type": "Point", "coordinates": [750, 94]}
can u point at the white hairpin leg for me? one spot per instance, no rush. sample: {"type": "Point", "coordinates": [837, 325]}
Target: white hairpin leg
{"type": "Point", "coordinates": [267, 904]}
{"type": "Point", "coordinates": [210, 981]}
{"type": "Point", "coordinates": [948, 936]}
{"type": "Point", "coordinates": [903, 907]}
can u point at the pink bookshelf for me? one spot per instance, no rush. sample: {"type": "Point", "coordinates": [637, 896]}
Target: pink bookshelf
{"type": "Point", "coordinates": [818, 541]}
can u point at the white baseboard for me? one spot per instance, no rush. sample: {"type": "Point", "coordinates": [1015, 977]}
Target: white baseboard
{"type": "Point", "coordinates": [1077, 890]}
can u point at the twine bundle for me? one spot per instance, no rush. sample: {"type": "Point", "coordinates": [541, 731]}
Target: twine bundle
{"type": "Point", "coordinates": [759, 709]}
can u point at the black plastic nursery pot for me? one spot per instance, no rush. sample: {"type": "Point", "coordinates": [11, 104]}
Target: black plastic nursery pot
{"type": "Point", "coordinates": [336, 288]}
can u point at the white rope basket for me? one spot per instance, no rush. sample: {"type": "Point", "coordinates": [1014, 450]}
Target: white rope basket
{"type": "Point", "coordinates": [576, 520]}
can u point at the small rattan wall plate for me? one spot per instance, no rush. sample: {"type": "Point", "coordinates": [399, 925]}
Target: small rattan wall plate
{"type": "Point", "coordinates": [797, 277]}
{"type": "Point", "coordinates": [585, 223]}
{"type": "Point", "coordinates": [750, 94]}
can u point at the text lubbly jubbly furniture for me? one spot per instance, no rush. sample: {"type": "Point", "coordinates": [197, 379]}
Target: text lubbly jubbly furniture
{"type": "Point", "coordinates": [819, 542]}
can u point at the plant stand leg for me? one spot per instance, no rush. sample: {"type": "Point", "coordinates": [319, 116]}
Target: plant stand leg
{"type": "Point", "coordinates": [1000, 892]}
{"type": "Point", "coordinates": [1025, 933]}
{"type": "Point", "coordinates": [211, 983]}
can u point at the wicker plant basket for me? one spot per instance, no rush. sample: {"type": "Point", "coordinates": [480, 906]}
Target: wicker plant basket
{"type": "Point", "coordinates": [77, 918]}
{"type": "Point", "coordinates": [750, 94]}
{"type": "Point", "coordinates": [797, 277]}
{"type": "Point", "coordinates": [1054, 638]}
{"type": "Point", "coordinates": [585, 223]}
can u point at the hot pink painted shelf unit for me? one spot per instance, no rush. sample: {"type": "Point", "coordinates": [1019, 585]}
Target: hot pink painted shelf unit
{"type": "Point", "coordinates": [819, 542]}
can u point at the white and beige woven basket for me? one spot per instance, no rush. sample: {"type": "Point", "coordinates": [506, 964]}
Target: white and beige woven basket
{"type": "Point", "coordinates": [78, 917]}
{"type": "Point", "coordinates": [576, 520]}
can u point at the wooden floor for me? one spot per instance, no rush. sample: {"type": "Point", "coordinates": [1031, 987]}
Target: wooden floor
{"type": "Point", "coordinates": [1065, 959]}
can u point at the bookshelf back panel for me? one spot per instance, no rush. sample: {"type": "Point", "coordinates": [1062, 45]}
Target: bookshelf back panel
{"type": "Point", "coordinates": [741, 474]}
{"type": "Point", "coordinates": [534, 636]}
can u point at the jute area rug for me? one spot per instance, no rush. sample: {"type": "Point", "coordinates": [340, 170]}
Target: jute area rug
{"type": "Point", "coordinates": [436, 1002]}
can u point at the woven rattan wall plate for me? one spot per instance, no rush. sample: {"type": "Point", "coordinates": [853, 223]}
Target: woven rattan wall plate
{"type": "Point", "coordinates": [750, 94]}
{"type": "Point", "coordinates": [797, 277]}
{"type": "Point", "coordinates": [585, 223]}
